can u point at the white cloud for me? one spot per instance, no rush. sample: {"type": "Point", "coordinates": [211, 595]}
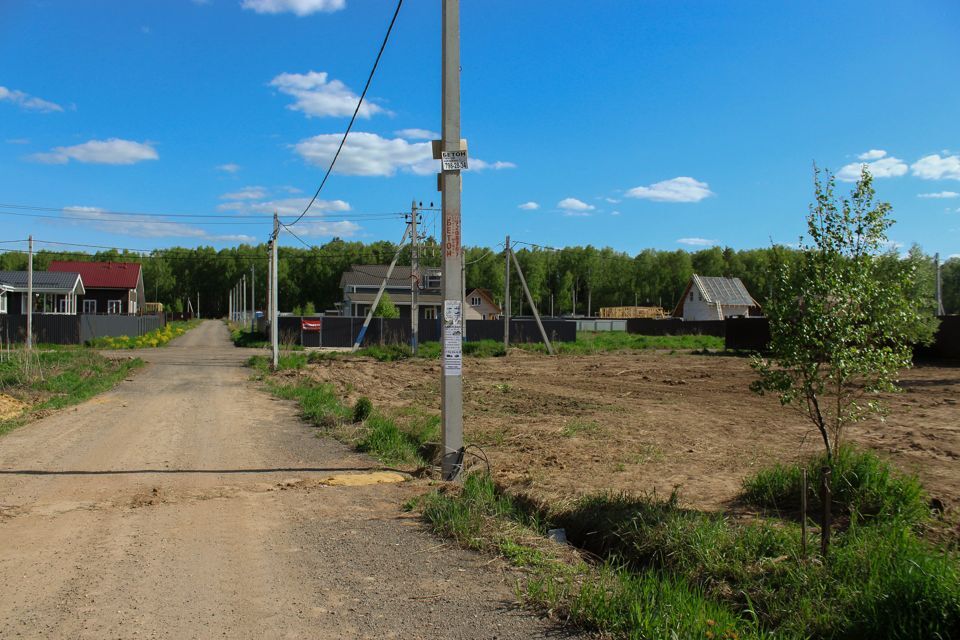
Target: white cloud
{"type": "Point", "coordinates": [367, 154]}
{"type": "Point", "coordinates": [316, 96]}
{"type": "Point", "coordinates": [112, 151]}
{"type": "Point", "coordinates": [28, 102]}
{"type": "Point", "coordinates": [614, 213]}
{"type": "Point", "coordinates": [612, 200]}
{"type": "Point", "coordinates": [285, 206]}
{"type": "Point", "coordinates": [573, 206]}
{"type": "Point", "coordinates": [680, 189]}
{"type": "Point", "coordinates": [873, 154]}
{"type": "Point", "coordinates": [230, 167]}
{"type": "Point", "coordinates": [939, 194]}
{"type": "Point", "coordinates": [697, 242]}
{"type": "Point", "coordinates": [529, 206]}
{"type": "Point", "coordinates": [934, 167]}
{"type": "Point", "coordinates": [338, 228]}
{"type": "Point", "coordinates": [247, 193]}
{"type": "Point", "coordinates": [417, 134]}
{"type": "Point", "coordinates": [144, 226]}
{"type": "Point", "coordinates": [480, 165]}
{"type": "Point", "coordinates": [883, 166]}
{"type": "Point", "coordinates": [298, 7]}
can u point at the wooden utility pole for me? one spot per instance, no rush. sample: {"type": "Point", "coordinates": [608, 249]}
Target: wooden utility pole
{"type": "Point", "coordinates": [274, 294]}
{"type": "Point", "coordinates": [29, 292]}
{"type": "Point", "coordinates": [414, 280]}
{"type": "Point", "coordinates": [453, 155]}
{"type": "Point", "coordinates": [506, 295]}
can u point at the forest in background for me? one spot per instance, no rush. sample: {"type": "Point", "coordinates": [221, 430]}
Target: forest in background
{"type": "Point", "coordinates": [576, 279]}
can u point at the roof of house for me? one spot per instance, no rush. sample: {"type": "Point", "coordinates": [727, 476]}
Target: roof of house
{"type": "Point", "coordinates": [371, 275]}
{"type": "Point", "coordinates": [486, 294]}
{"type": "Point", "coordinates": [723, 291]}
{"type": "Point", "coordinates": [43, 281]}
{"type": "Point", "coordinates": [102, 275]}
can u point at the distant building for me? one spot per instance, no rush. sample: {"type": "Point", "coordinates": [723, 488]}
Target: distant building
{"type": "Point", "coordinates": [481, 306]}
{"type": "Point", "coordinates": [114, 288]}
{"type": "Point", "coordinates": [707, 298]}
{"type": "Point", "coordinates": [361, 283]}
{"type": "Point", "coordinates": [53, 293]}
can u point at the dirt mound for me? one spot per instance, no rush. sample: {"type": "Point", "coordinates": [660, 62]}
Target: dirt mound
{"type": "Point", "coordinates": [10, 407]}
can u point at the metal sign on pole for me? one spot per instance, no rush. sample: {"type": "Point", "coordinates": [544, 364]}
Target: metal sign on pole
{"type": "Point", "coordinates": [450, 148]}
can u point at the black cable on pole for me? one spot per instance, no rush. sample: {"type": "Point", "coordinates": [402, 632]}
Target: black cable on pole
{"type": "Point", "coordinates": [353, 119]}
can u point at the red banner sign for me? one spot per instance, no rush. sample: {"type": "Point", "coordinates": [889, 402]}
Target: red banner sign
{"type": "Point", "coordinates": [310, 325]}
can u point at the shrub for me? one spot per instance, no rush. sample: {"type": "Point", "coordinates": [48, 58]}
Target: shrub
{"type": "Point", "coordinates": [863, 484]}
{"type": "Point", "coordinates": [362, 409]}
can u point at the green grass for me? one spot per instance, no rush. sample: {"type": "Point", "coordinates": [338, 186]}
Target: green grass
{"type": "Point", "coordinates": [665, 569]}
{"type": "Point", "coordinates": [863, 485]}
{"type": "Point", "coordinates": [56, 379]}
{"type": "Point", "coordinates": [606, 341]}
{"type": "Point", "coordinates": [609, 598]}
{"type": "Point", "coordinates": [391, 440]}
{"type": "Point", "coordinates": [579, 427]}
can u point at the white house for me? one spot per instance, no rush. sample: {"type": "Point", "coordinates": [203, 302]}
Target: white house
{"type": "Point", "coordinates": [707, 298]}
{"type": "Point", "coordinates": [481, 306]}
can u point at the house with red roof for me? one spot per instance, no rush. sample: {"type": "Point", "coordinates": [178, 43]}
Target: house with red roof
{"type": "Point", "coordinates": [114, 288]}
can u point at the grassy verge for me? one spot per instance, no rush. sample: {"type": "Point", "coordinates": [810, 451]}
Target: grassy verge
{"type": "Point", "coordinates": [46, 380]}
{"type": "Point", "coordinates": [665, 571]}
{"type": "Point", "coordinates": [586, 343]}
{"type": "Point", "coordinates": [392, 437]}
{"type": "Point", "coordinates": [156, 338]}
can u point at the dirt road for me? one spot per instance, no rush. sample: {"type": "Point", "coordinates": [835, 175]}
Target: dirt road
{"type": "Point", "coordinates": [185, 504]}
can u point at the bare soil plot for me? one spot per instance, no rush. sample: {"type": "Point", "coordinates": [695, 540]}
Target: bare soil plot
{"type": "Point", "coordinates": [640, 422]}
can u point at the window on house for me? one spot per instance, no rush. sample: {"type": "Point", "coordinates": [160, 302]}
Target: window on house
{"type": "Point", "coordinates": [90, 306]}
{"type": "Point", "coordinates": [475, 301]}
{"type": "Point", "coordinates": [700, 295]}
{"type": "Point", "coordinates": [430, 313]}
{"type": "Point", "coordinates": [49, 303]}
{"type": "Point", "coordinates": [114, 306]}
{"type": "Point", "coordinates": [3, 302]}
{"type": "Point", "coordinates": [691, 295]}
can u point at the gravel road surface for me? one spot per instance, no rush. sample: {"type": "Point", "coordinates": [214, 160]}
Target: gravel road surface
{"type": "Point", "coordinates": [185, 503]}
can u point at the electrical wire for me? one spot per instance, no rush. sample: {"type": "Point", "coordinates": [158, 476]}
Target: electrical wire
{"type": "Point", "coordinates": [353, 119]}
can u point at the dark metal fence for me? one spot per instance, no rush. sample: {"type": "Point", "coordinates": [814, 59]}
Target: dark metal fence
{"type": "Point", "coordinates": [753, 334]}
{"type": "Point", "coordinates": [337, 331]}
{"type": "Point", "coordinates": [47, 329]}
{"type": "Point", "coordinates": [57, 329]}
{"type": "Point", "coordinates": [675, 327]}
{"type": "Point", "coordinates": [98, 326]}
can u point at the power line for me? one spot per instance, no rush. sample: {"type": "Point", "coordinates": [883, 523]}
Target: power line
{"type": "Point", "coordinates": [353, 119]}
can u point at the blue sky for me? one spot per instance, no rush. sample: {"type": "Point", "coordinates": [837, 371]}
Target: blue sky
{"type": "Point", "coordinates": [631, 124]}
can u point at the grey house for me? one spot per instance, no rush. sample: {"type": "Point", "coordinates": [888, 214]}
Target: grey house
{"type": "Point", "coordinates": [361, 283]}
{"type": "Point", "coordinates": [53, 293]}
{"type": "Point", "coordinates": [709, 298]}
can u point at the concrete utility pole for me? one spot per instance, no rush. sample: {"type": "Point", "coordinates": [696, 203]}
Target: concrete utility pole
{"type": "Point", "coordinates": [198, 305]}
{"type": "Point", "coordinates": [383, 286]}
{"type": "Point", "coordinates": [253, 298]}
{"type": "Point", "coordinates": [414, 279]}
{"type": "Point", "coordinates": [940, 311]}
{"type": "Point", "coordinates": [268, 305]}
{"type": "Point", "coordinates": [29, 292]}
{"type": "Point", "coordinates": [230, 306]}
{"type": "Point", "coordinates": [244, 289]}
{"type": "Point", "coordinates": [533, 307]}
{"type": "Point", "coordinates": [506, 295]}
{"type": "Point", "coordinates": [451, 379]}
{"type": "Point", "coordinates": [274, 294]}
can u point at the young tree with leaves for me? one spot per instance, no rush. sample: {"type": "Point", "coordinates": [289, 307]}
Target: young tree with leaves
{"type": "Point", "coordinates": [843, 320]}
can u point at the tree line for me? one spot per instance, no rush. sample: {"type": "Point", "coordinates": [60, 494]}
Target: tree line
{"type": "Point", "coordinates": [577, 279]}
